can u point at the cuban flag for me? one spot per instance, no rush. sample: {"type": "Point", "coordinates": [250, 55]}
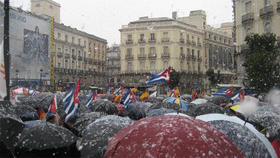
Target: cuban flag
{"type": "Point", "coordinates": [226, 92]}
{"type": "Point", "coordinates": [128, 98]}
{"type": "Point", "coordinates": [119, 90]}
{"type": "Point", "coordinates": [35, 93]}
{"type": "Point", "coordinates": [52, 107]}
{"type": "Point", "coordinates": [163, 76]}
{"type": "Point", "coordinates": [239, 95]}
{"type": "Point", "coordinates": [91, 98]}
{"type": "Point", "coordinates": [71, 101]}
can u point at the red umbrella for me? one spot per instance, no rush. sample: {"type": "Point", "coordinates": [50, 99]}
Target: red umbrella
{"type": "Point", "coordinates": [170, 136]}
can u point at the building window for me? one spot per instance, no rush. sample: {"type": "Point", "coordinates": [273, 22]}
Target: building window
{"type": "Point", "coordinates": [85, 43]}
{"type": "Point", "coordinates": [152, 50]}
{"type": "Point", "coordinates": [129, 37]}
{"type": "Point", "coordinates": [188, 37]}
{"type": "Point", "coordinates": [165, 63]}
{"type": "Point", "coordinates": [58, 35]}
{"type": "Point", "coordinates": [141, 37]}
{"type": "Point", "coordinates": [181, 35]}
{"type": "Point", "coordinates": [129, 51]}
{"type": "Point", "coordinates": [181, 50]}
{"type": "Point", "coordinates": [152, 36]}
{"type": "Point", "coordinates": [129, 67]}
{"type": "Point", "coordinates": [66, 38]}
{"type": "Point", "coordinates": [142, 51]}
{"type": "Point", "coordinates": [165, 35]}
{"type": "Point", "coordinates": [79, 41]}
{"type": "Point", "coordinates": [38, 5]}
{"type": "Point", "coordinates": [51, 7]}
{"type": "Point", "coordinates": [248, 30]}
{"type": "Point", "coordinates": [142, 65]}
{"type": "Point", "coordinates": [192, 52]}
{"type": "Point", "coordinates": [165, 49]}
{"type": "Point", "coordinates": [153, 66]}
{"type": "Point", "coordinates": [267, 3]}
{"type": "Point", "coordinates": [188, 51]}
{"type": "Point", "coordinates": [267, 27]}
{"type": "Point", "coordinates": [248, 7]}
{"type": "Point", "coordinates": [215, 38]}
{"type": "Point", "coordinates": [73, 39]}
{"type": "Point", "coordinates": [198, 53]}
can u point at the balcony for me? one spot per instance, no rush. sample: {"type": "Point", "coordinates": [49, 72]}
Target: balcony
{"type": "Point", "coordinates": [189, 57]}
{"type": "Point", "coordinates": [129, 57]}
{"type": "Point", "coordinates": [85, 59]}
{"type": "Point", "coordinates": [248, 18]}
{"type": "Point", "coordinates": [193, 58]}
{"type": "Point", "coordinates": [141, 41]}
{"type": "Point", "coordinates": [266, 11]}
{"type": "Point", "coordinates": [74, 56]}
{"type": "Point", "coordinates": [80, 58]}
{"type": "Point", "coordinates": [152, 40]}
{"type": "Point", "coordinates": [199, 44]}
{"type": "Point", "coordinates": [59, 54]}
{"type": "Point", "coordinates": [278, 7]}
{"type": "Point", "coordinates": [165, 40]}
{"type": "Point", "coordinates": [193, 43]}
{"type": "Point", "coordinates": [188, 42]}
{"type": "Point", "coordinates": [90, 61]}
{"type": "Point", "coordinates": [182, 40]}
{"type": "Point", "coordinates": [165, 55]}
{"type": "Point", "coordinates": [182, 56]}
{"type": "Point", "coordinates": [199, 59]}
{"type": "Point", "coordinates": [141, 56]}
{"type": "Point", "coordinates": [152, 56]}
{"type": "Point", "coordinates": [67, 56]}
{"type": "Point", "coordinates": [128, 42]}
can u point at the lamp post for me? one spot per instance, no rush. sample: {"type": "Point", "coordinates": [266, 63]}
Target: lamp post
{"type": "Point", "coordinates": [41, 71]}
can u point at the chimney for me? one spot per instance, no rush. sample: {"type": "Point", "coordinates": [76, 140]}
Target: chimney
{"type": "Point", "coordinates": [174, 15]}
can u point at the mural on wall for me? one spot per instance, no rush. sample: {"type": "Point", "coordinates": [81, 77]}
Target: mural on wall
{"type": "Point", "coordinates": [35, 47]}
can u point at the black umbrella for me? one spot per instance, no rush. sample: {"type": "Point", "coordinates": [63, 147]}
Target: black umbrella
{"type": "Point", "coordinates": [10, 127]}
{"type": "Point", "coordinates": [97, 134]}
{"type": "Point", "coordinates": [107, 96]}
{"type": "Point", "coordinates": [85, 119]}
{"type": "Point", "coordinates": [186, 97]}
{"type": "Point", "coordinates": [161, 111]}
{"type": "Point", "coordinates": [219, 100]}
{"type": "Point", "coordinates": [154, 100]}
{"type": "Point", "coordinates": [136, 111]}
{"type": "Point", "coordinates": [46, 139]}
{"type": "Point", "coordinates": [208, 108]}
{"type": "Point", "coordinates": [268, 118]}
{"type": "Point", "coordinates": [105, 106]}
{"type": "Point", "coordinates": [166, 105]}
{"type": "Point", "coordinates": [245, 140]}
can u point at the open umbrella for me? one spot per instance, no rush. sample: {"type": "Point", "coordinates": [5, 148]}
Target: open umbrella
{"type": "Point", "coordinates": [161, 111]}
{"type": "Point", "coordinates": [136, 110]}
{"type": "Point", "coordinates": [219, 100]}
{"type": "Point", "coordinates": [244, 135]}
{"type": "Point", "coordinates": [85, 119]}
{"type": "Point", "coordinates": [46, 139]}
{"type": "Point", "coordinates": [170, 136]}
{"type": "Point", "coordinates": [182, 104]}
{"type": "Point", "coordinates": [186, 97]}
{"type": "Point", "coordinates": [97, 134]}
{"type": "Point", "coordinates": [105, 106]}
{"type": "Point", "coordinates": [209, 107]}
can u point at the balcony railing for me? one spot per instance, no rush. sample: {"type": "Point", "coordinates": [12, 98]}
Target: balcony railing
{"type": "Point", "coordinates": [152, 56]}
{"type": "Point", "coordinates": [165, 55]}
{"type": "Point", "coordinates": [142, 56]}
{"type": "Point", "coordinates": [129, 57]}
{"type": "Point", "coordinates": [199, 44]}
{"type": "Point", "coordinates": [199, 59]}
{"type": "Point", "coordinates": [266, 11]}
{"type": "Point", "coordinates": [67, 56]}
{"type": "Point", "coordinates": [188, 42]}
{"type": "Point", "coordinates": [80, 58]}
{"type": "Point", "coordinates": [182, 56]}
{"type": "Point", "coordinates": [141, 41]}
{"type": "Point", "coordinates": [74, 56]}
{"type": "Point", "coordinates": [152, 40]}
{"type": "Point", "coordinates": [278, 6]}
{"type": "Point", "coordinates": [193, 43]}
{"type": "Point", "coordinates": [193, 58]}
{"type": "Point", "coordinates": [248, 18]}
{"type": "Point", "coordinates": [182, 40]}
{"type": "Point", "coordinates": [165, 40]}
{"type": "Point", "coordinates": [129, 42]}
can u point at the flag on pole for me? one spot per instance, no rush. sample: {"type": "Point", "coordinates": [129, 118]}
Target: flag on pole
{"type": "Point", "coordinates": [128, 98]}
{"type": "Point", "coordinates": [163, 76]}
{"type": "Point", "coordinates": [134, 90]}
{"type": "Point", "coordinates": [174, 93]}
{"type": "Point", "coordinates": [52, 107]}
{"type": "Point", "coordinates": [153, 95]}
{"type": "Point", "coordinates": [144, 95]}
{"type": "Point", "coordinates": [226, 92]}
{"type": "Point", "coordinates": [119, 90]}
{"type": "Point", "coordinates": [71, 101]}
{"type": "Point", "coordinates": [91, 98]}
{"type": "Point", "coordinates": [239, 95]}
{"type": "Point", "coordinates": [3, 89]}
{"type": "Point", "coordinates": [194, 94]}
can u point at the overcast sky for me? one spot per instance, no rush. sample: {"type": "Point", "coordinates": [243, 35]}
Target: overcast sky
{"type": "Point", "coordinates": [104, 18]}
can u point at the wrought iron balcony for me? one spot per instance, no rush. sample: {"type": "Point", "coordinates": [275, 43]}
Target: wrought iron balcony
{"type": "Point", "coordinates": [129, 57]}
{"type": "Point", "coordinates": [193, 43]}
{"type": "Point", "coordinates": [199, 59]}
{"type": "Point", "coordinates": [199, 44]}
{"type": "Point", "coordinates": [189, 57]}
{"type": "Point", "coordinates": [74, 56]}
{"type": "Point", "coordinates": [266, 11]}
{"type": "Point", "coordinates": [248, 18]}
{"type": "Point", "coordinates": [165, 55]}
{"type": "Point", "coordinates": [152, 40]}
{"type": "Point", "coordinates": [278, 6]}
{"type": "Point", "coordinates": [129, 42]}
{"type": "Point", "coordinates": [141, 41]}
{"type": "Point", "coordinates": [152, 56]}
{"type": "Point", "coordinates": [67, 56]}
{"type": "Point", "coordinates": [182, 56]}
{"type": "Point", "coordinates": [188, 42]}
{"type": "Point", "coordinates": [59, 54]}
{"type": "Point", "coordinates": [182, 40]}
{"type": "Point", "coordinates": [165, 40]}
{"type": "Point", "coordinates": [193, 58]}
{"type": "Point", "coordinates": [80, 58]}
{"type": "Point", "coordinates": [142, 56]}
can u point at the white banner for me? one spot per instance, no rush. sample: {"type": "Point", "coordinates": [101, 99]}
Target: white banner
{"type": "Point", "coordinates": [3, 88]}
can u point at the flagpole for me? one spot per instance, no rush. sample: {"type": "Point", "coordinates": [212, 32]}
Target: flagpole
{"type": "Point", "coordinates": [7, 48]}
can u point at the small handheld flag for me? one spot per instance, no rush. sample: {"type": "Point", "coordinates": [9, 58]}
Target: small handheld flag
{"type": "Point", "coordinates": [226, 92]}
{"type": "Point", "coordinates": [91, 98]}
{"type": "Point", "coordinates": [52, 107]}
{"type": "Point", "coordinates": [71, 101]}
{"type": "Point", "coordinates": [163, 76]}
{"type": "Point", "coordinates": [239, 95]}
{"type": "Point", "coordinates": [144, 96]}
{"type": "Point", "coordinates": [194, 94]}
{"type": "Point", "coordinates": [128, 98]}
